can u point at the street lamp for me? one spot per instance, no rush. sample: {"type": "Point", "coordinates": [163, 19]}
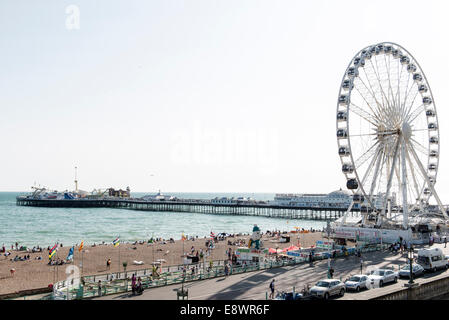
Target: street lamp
{"type": "Point", "coordinates": [410, 257]}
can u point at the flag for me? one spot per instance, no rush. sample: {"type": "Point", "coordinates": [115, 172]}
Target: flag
{"type": "Point", "coordinates": [70, 255]}
{"type": "Point", "coordinates": [116, 242]}
{"type": "Point", "coordinates": [183, 237]}
{"type": "Point", "coordinates": [52, 251]}
{"type": "Point", "coordinates": [81, 246]}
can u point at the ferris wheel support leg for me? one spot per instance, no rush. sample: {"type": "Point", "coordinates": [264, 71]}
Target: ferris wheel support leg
{"type": "Point", "coordinates": [343, 221]}
{"type": "Point", "coordinates": [390, 178]}
{"type": "Point", "coordinates": [404, 188]}
{"type": "Point", "coordinates": [424, 173]}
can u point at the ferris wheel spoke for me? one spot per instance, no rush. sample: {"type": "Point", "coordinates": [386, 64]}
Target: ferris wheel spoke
{"type": "Point", "coordinates": [403, 104]}
{"type": "Point", "coordinates": [376, 114]}
{"type": "Point", "coordinates": [412, 170]}
{"type": "Point", "coordinates": [372, 92]}
{"type": "Point", "coordinates": [405, 114]}
{"type": "Point", "coordinates": [363, 114]}
{"type": "Point", "coordinates": [412, 116]}
{"type": "Point", "coordinates": [419, 147]}
{"type": "Point", "coordinates": [429, 184]}
{"type": "Point", "coordinates": [365, 156]}
{"type": "Point", "coordinates": [390, 89]}
{"type": "Point", "coordinates": [380, 85]}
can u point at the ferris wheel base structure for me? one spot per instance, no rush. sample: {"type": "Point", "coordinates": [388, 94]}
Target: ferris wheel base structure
{"type": "Point", "coordinates": [389, 145]}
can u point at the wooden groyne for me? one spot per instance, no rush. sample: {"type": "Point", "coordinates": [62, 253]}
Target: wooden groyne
{"type": "Point", "coordinates": [195, 206]}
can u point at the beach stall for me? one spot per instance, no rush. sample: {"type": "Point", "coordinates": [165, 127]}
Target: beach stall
{"type": "Point", "coordinates": [251, 255]}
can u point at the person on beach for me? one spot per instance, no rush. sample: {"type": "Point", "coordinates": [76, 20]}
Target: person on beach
{"type": "Point", "coordinates": [108, 264]}
{"type": "Point", "coordinates": [12, 271]}
{"type": "Point", "coordinates": [445, 242]}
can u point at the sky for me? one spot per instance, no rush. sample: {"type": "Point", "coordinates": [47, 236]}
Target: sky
{"type": "Point", "coordinates": [194, 96]}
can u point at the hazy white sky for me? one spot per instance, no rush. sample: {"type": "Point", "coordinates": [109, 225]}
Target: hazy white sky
{"type": "Point", "coordinates": [208, 96]}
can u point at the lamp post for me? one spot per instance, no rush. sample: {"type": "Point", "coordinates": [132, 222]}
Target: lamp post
{"type": "Point", "coordinates": [328, 229]}
{"type": "Point", "coordinates": [410, 257]}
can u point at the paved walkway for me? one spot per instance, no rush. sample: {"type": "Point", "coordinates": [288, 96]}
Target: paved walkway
{"type": "Point", "coordinates": [254, 285]}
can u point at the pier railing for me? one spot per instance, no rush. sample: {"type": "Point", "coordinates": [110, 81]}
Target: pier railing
{"type": "Point", "coordinates": [114, 283]}
{"type": "Point", "coordinates": [323, 212]}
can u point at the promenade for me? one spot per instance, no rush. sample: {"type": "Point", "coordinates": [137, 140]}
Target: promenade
{"type": "Point", "coordinates": [254, 285]}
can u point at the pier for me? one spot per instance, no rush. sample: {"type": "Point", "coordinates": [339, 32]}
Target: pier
{"type": "Point", "coordinates": [195, 206]}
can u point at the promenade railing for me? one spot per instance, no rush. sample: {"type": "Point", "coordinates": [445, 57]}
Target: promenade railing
{"type": "Point", "coordinates": [120, 282]}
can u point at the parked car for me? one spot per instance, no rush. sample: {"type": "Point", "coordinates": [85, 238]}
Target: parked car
{"type": "Point", "coordinates": [382, 276]}
{"type": "Point", "coordinates": [417, 270]}
{"type": "Point", "coordinates": [327, 287]}
{"type": "Point", "coordinates": [432, 259]}
{"type": "Point", "coordinates": [357, 282]}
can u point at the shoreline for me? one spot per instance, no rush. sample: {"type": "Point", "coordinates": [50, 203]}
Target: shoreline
{"type": "Point", "coordinates": [33, 274]}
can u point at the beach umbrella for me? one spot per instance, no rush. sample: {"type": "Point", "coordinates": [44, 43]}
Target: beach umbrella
{"type": "Point", "coordinates": [271, 250]}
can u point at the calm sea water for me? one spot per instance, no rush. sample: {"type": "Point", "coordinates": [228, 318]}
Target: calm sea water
{"type": "Point", "coordinates": [44, 226]}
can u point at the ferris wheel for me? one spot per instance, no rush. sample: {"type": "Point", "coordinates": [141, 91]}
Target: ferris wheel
{"type": "Point", "coordinates": [388, 134]}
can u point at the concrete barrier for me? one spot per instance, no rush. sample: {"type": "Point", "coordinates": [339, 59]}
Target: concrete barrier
{"type": "Point", "coordinates": [425, 289]}
{"type": "Point", "coordinates": [22, 293]}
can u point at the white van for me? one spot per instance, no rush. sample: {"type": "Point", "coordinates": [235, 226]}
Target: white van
{"type": "Point", "coordinates": [432, 259]}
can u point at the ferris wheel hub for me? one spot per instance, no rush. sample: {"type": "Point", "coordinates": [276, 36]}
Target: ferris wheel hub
{"type": "Point", "coordinates": [406, 131]}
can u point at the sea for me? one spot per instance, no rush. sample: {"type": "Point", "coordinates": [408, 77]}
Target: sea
{"type": "Point", "coordinates": [31, 226]}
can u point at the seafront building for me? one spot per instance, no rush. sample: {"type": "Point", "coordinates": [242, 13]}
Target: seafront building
{"type": "Point", "coordinates": [335, 199]}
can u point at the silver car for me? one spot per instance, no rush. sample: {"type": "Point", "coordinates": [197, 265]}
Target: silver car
{"type": "Point", "coordinates": [326, 288]}
{"type": "Point", "coordinates": [356, 282]}
{"type": "Point", "coordinates": [416, 269]}
{"type": "Point", "coordinates": [381, 276]}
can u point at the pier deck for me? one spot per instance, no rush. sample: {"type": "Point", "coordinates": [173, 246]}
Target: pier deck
{"type": "Point", "coordinates": [195, 206]}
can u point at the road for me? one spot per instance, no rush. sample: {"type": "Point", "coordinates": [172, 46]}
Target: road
{"type": "Point", "coordinates": [254, 285]}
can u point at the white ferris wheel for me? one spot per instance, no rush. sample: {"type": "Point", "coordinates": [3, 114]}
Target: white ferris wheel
{"type": "Point", "coordinates": [388, 135]}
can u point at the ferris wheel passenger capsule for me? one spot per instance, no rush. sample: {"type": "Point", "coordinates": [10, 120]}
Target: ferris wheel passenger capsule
{"type": "Point", "coordinates": [352, 72]}
{"type": "Point", "coordinates": [432, 180]}
{"type": "Point", "coordinates": [417, 77]}
{"type": "Point", "coordinates": [366, 54]}
{"type": "Point", "coordinates": [427, 191]}
{"type": "Point", "coordinates": [359, 62]}
{"type": "Point", "coordinates": [352, 184]}
{"type": "Point", "coordinates": [388, 49]}
{"type": "Point", "coordinates": [347, 85]}
{"type": "Point", "coordinates": [430, 113]}
{"type": "Point", "coordinates": [379, 49]}
{"type": "Point", "coordinates": [343, 151]}
{"type": "Point", "coordinates": [405, 60]}
{"type": "Point", "coordinates": [347, 168]}
{"type": "Point", "coordinates": [342, 116]}
{"type": "Point", "coordinates": [411, 68]}
{"type": "Point", "coordinates": [343, 100]}
{"type": "Point", "coordinates": [422, 88]}
{"type": "Point", "coordinates": [342, 133]}
{"type": "Point", "coordinates": [426, 101]}
{"type": "Point", "coordinates": [433, 140]}
{"type": "Point", "coordinates": [433, 154]}
{"type": "Point", "coordinates": [396, 53]}
{"type": "Point", "coordinates": [372, 50]}
{"type": "Point", "coordinates": [358, 198]}
{"type": "Point", "coordinates": [432, 126]}
{"type": "Point", "coordinates": [432, 166]}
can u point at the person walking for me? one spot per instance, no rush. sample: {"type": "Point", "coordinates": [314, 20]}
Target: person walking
{"type": "Point", "coordinates": [272, 290]}
{"type": "Point", "coordinates": [99, 288]}
{"type": "Point", "coordinates": [361, 266]}
{"type": "Point", "coordinates": [331, 273]}
{"type": "Point", "coordinates": [445, 241]}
